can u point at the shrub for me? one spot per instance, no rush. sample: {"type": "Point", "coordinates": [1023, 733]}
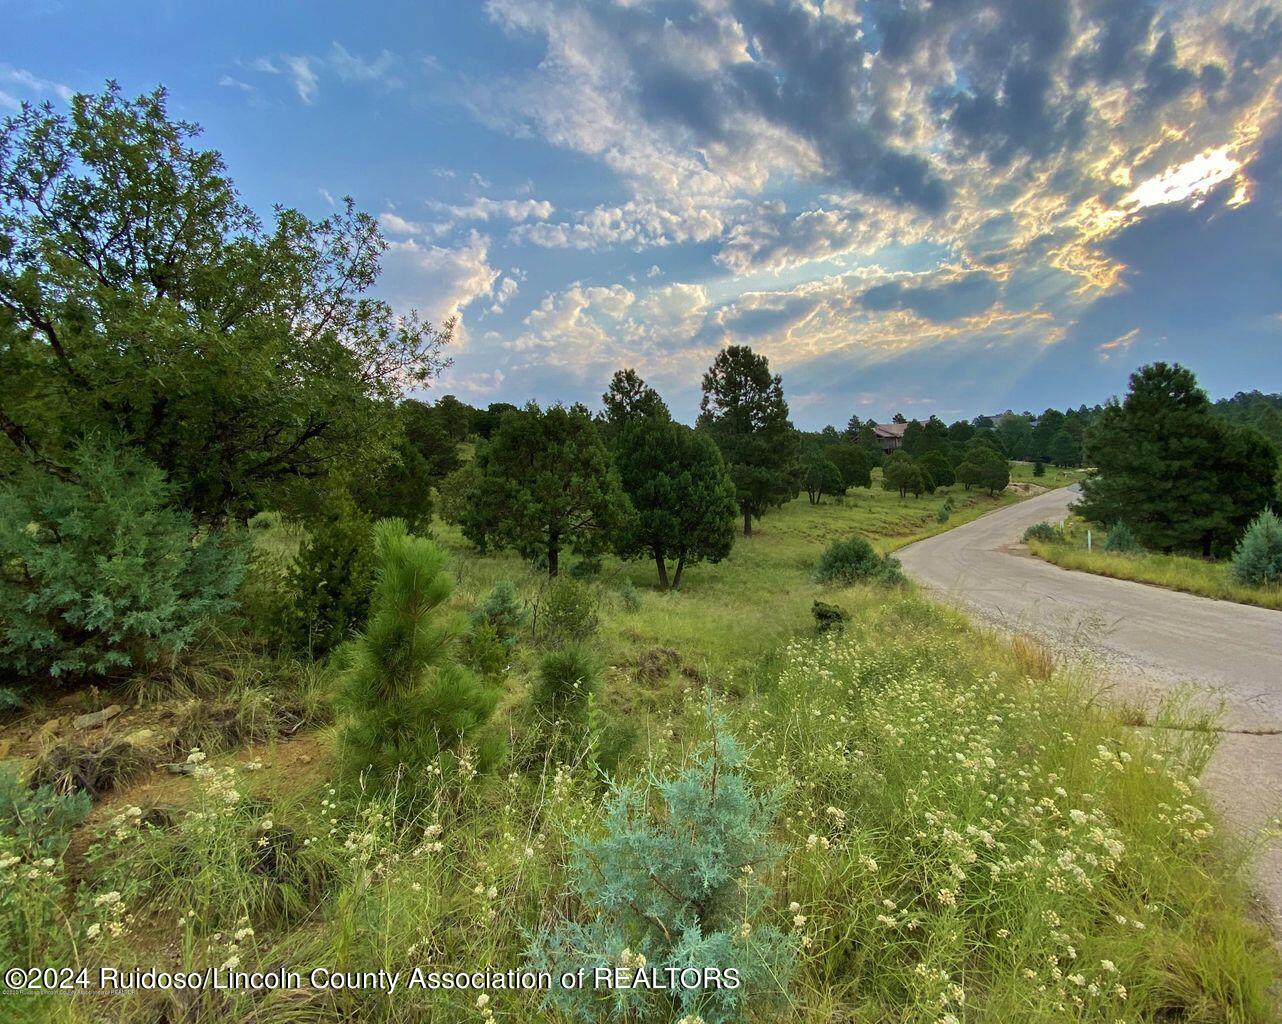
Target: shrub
{"type": "Point", "coordinates": [585, 569]}
{"type": "Point", "coordinates": [679, 889]}
{"type": "Point", "coordinates": [1041, 531]}
{"type": "Point", "coordinates": [329, 584]}
{"type": "Point", "coordinates": [407, 702]}
{"type": "Point", "coordinates": [93, 768]}
{"type": "Point", "coordinates": [504, 612]}
{"type": "Point", "coordinates": [37, 822]}
{"type": "Point", "coordinates": [629, 595]}
{"type": "Point", "coordinates": [568, 614]}
{"type": "Point", "coordinates": [1039, 468]}
{"type": "Point", "coordinates": [481, 650]}
{"type": "Point", "coordinates": [99, 574]}
{"type": "Point", "coordinates": [854, 561]}
{"type": "Point", "coordinates": [943, 515]}
{"type": "Point", "coordinates": [568, 679]}
{"type": "Point", "coordinates": [1257, 559]}
{"type": "Point", "coordinates": [1121, 539]}
{"type": "Point", "coordinates": [828, 616]}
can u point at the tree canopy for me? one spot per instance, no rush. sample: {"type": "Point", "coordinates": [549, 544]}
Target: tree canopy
{"type": "Point", "coordinates": [140, 297]}
{"type": "Point", "coordinates": [744, 411]}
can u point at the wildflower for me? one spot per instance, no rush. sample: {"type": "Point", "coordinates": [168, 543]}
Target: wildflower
{"type": "Point", "coordinates": [1108, 966]}
{"type": "Point", "coordinates": [947, 897]}
{"type": "Point", "coordinates": [745, 929]}
{"type": "Point", "coordinates": [93, 930]}
{"type": "Point", "coordinates": [482, 1000]}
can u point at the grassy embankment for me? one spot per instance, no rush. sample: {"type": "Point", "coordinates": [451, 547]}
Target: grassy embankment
{"type": "Point", "coordinates": [963, 834]}
{"type": "Point", "coordinates": [1204, 577]}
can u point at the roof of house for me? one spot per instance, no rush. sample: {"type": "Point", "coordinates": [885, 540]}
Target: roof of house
{"type": "Point", "coordinates": [890, 429]}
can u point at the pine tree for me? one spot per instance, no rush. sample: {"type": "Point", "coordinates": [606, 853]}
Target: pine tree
{"type": "Point", "coordinates": [408, 704]}
{"type": "Point", "coordinates": [853, 463]}
{"type": "Point", "coordinates": [1257, 560]}
{"type": "Point", "coordinates": [629, 398]}
{"type": "Point", "coordinates": [744, 411]}
{"type": "Point", "coordinates": [819, 476]}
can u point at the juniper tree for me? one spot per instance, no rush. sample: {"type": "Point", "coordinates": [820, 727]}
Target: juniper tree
{"type": "Point", "coordinates": [819, 476]}
{"type": "Point", "coordinates": [407, 703]}
{"type": "Point", "coordinates": [852, 463]}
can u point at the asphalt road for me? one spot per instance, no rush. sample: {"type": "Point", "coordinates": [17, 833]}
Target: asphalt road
{"type": "Point", "coordinates": [1147, 639]}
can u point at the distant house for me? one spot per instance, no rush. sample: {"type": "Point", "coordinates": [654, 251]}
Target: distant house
{"type": "Point", "coordinates": [890, 435]}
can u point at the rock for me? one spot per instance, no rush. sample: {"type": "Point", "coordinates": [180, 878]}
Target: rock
{"type": "Point", "coordinates": [95, 718]}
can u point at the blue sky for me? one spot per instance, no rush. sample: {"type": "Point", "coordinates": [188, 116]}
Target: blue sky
{"type": "Point", "coordinates": [957, 207]}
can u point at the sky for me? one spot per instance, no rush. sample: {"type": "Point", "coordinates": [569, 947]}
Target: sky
{"type": "Point", "coordinates": [955, 207]}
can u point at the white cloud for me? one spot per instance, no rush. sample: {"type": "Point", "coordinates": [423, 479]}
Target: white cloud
{"type": "Point", "coordinates": [484, 209]}
{"type": "Point", "coordinates": [23, 82]}
{"type": "Point", "coordinates": [441, 281]}
{"type": "Point", "coordinates": [301, 73]}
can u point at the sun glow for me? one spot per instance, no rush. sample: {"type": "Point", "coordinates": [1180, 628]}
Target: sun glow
{"type": "Point", "coordinates": [1191, 180]}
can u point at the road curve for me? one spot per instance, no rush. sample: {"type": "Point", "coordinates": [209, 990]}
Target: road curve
{"type": "Point", "coordinates": [1147, 639]}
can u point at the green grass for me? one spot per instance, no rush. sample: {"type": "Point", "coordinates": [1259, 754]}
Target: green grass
{"type": "Point", "coordinates": [1204, 577]}
{"type": "Point", "coordinates": [963, 832]}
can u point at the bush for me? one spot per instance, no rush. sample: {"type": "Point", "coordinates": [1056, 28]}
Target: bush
{"type": "Point", "coordinates": [100, 575]}
{"type": "Point", "coordinates": [671, 890]}
{"type": "Point", "coordinates": [37, 822]}
{"type": "Point", "coordinates": [855, 561]}
{"type": "Point", "coordinates": [828, 616]}
{"type": "Point", "coordinates": [568, 679]}
{"type": "Point", "coordinates": [568, 614]}
{"type": "Point", "coordinates": [483, 651]}
{"type": "Point", "coordinates": [504, 612]}
{"type": "Point", "coordinates": [1257, 559]}
{"type": "Point", "coordinates": [629, 595]}
{"type": "Point", "coordinates": [1039, 468]}
{"type": "Point", "coordinates": [407, 702]}
{"type": "Point", "coordinates": [585, 569]}
{"type": "Point", "coordinates": [329, 584]}
{"type": "Point", "coordinates": [943, 515]}
{"type": "Point", "coordinates": [1041, 531]}
{"type": "Point", "coordinates": [1121, 539]}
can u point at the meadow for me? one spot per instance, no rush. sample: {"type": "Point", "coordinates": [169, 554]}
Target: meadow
{"type": "Point", "coordinates": [953, 829]}
{"type": "Point", "coordinates": [1201, 576]}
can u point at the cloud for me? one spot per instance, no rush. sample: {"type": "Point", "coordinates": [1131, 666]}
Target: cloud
{"type": "Point", "coordinates": [484, 209]}
{"type": "Point", "coordinates": [441, 281]}
{"type": "Point", "coordinates": [19, 83]}
{"type": "Point", "coordinates": [952, 299]}
{"type": "Point", "coordinates": [305, 71]}
{"type": "Point", "coordinates": [301, 73]}
{"type": "Point", "coordinates": [1118, 345]}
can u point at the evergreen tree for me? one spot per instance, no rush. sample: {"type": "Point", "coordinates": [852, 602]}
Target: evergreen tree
{"type": "Point", "coordinates": [853, 463]}
{"type": "Point", "coordinates": [629, 398]}
{"type": "Point", "coordinates": [900, 474]}
{"type": "Point", "coordinates": [1178, 476]}
{"type": "Point", "coordinates": [682, 496]}
{"type": "Point", "coordinates": [994, 473]}
{"type": "Point", "coordinates": [819, 476]}
{"type": "Point", "coordinates": [544, 483]}
{"type": "Point", "coordinates": [1257, 560]}
{"type": "Point", "coordinates": [744, 411]}
{"type": "Point", "coordinates": [941, 472]}
{"type": "Point", "coordinates": [1065, 449]}
{"type": "Point", "coordinates": [406, 702]}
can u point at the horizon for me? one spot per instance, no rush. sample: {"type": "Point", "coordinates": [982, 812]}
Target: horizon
{"type": "Point", "coordinates": [940, 214]}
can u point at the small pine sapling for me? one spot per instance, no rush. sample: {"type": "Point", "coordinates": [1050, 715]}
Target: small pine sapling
{"type": "Point", "coordinates": [1257, 559]}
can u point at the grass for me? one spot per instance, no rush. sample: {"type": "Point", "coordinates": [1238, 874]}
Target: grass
{"type": "Point", "coordinates": [961, 832]}
{"type": "Point", "coordinates": [1204, 577]}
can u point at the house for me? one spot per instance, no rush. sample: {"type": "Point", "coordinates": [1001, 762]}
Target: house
{"type": "Point", "coordinates": [890, 435]}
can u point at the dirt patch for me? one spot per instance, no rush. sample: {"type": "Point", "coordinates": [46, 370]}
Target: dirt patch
{"type": "Point", "coordinates": [656, 663]}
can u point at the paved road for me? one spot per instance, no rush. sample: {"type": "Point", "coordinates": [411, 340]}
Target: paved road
{"type": "Point", "coordinates": [1149, 640]}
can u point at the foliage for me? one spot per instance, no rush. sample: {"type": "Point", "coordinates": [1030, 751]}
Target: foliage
{"type": "Point", "coordinates": [567, 613]}
{"type": "Point", "coordinates": [36, 821]}
{"type": "Point", "coordinates": [900, 473]}
{"type": "Point", "coordinates": [568, 679]}
{"type": "Point", "coordinates": [629, 399]}
{"type": "Point", "coordinates": [744, 411]}
{"type": "Point", "coordinates": [545, 482]}
{"type": "Point", "coordinates": [1121, 538]}
{"type": "Point", "coordinates": [1182, 478]}
{"type": "Point", "coordinates": [853, 462]}
{"type": "Point", "coordinates": [1039, 468]}
{"type": "Point", "coordinates": [98, 574]}
{"type": "Point", "coordinates": [143, 297]}
{"type": "Point", "coordinates": [682, 497]}
{"type": "Point", "coordinates": [828, 616]}
{"type": "Point", "coordinates": [456, 494]}
{"type": "Point", "coordinates": [994, 474]}
{"type": "Point", "coordinates": [679, 889]}
{"type": "Point", "coordinates": [819, 476]}
{"type": "Point", "coordinates": [504, 612]}
{"type": "Point", "coordinates": [1065, 449]}
{"type": "Point", "coordinates": [1257, 559]}
{"type": "Point", "coordinates": [407, 702]}
{"type": "Point", "coordinates": [854, 560]}
{"type": "Point", "coordinates": [1254, 409]}
{"type": "Point", "coordinates": [329, 582]}
{"type": "Point", "coordinates": [936, 463]}
{"type": "Point", "coordinates": [1042, 531]}
{"type": "Point", "coordinates": [629, 595]}
{"type": "Point", "coordinates": [481, 650]}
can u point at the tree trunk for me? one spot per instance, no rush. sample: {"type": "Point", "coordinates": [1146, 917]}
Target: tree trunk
{"type": "Point", "coordinates": [553, 552]}
{"type": "Point", "coordinates": [681, 566]}
{"type": "Point", "coordinates": [747, 524]}
{"type": "Point", "coordinates": [663, 569]}
{"type": "Point", "coordinates": [1206, 544]}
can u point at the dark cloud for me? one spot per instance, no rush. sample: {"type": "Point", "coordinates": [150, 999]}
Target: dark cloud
{"type": "Point", "coordinates": [1164, 78]}
{"type": "Point", "coordinates": [939, 303]}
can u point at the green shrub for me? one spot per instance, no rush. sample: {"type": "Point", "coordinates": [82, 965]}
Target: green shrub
{"type": "Point", "coordinates": [682, 888]}
{"type": "Point", "coordinates": [943, 515]}
{"type": "Point", "coordinates": [37, 822]}
{"type": "Point", "coordinates": [569, 678]}
{"type": "Point", "coordinates": [1121, 539]}
{"type": "Point", "coordinates": [1041, 531]}
{"type": "Point", "coordinates": [504, 612]}
{"type": "Point", "coordinates": [1257, 559]}
{"type": "Point", "coordinates": [1039, 468]}
{"type": "Point", "coordinates": [585, 569]}
{"type": "Point", "coordinates": [568, 614]}
{"type": "Point", "coordinates": [629, 595]}
{"type": "Point", "coordinates": [828, 616]}
{"type": "Point", "coordinates": [99, 575]}
{"type": "Point", "coordinates": [855, 561]}
{"type": "Point", "coordinates": [406, 701]}
{"type": "Point", "coordinates": [481, 650]}
{"type": "Point", "coordinates": [329, 584]}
